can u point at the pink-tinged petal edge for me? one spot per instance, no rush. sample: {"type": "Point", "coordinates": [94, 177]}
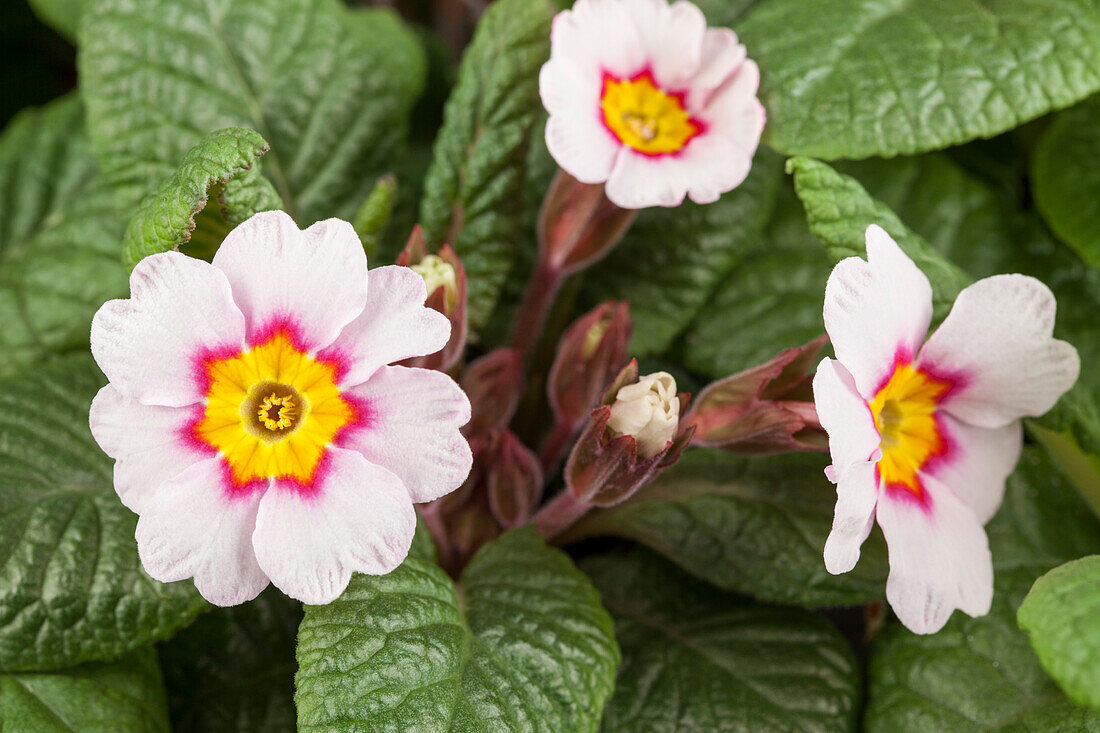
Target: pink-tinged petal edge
{"type": "Point", "coordinates": [357, 517]}
{"type": "Point", "coordinates": [876, 311]}
{"type": "Point", "coordinates": [977, 463]}
{"type": "Point", "coordinates": [939, 557]}
{"type": "Point", "coordinates": [180, 312]}
{"type": "Point", "coordinates": [999, 336]}
{"type": "Point", "coordinates": [414, 429]}
{"type": "Point", "coordinates": [194, 525]}
{"type": "Point", "coordinates": [315, 278]}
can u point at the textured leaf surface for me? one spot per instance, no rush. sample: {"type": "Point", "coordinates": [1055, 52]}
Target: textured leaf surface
{"type": "Point", "coordinates": [671, 260]}
{"type": "Point", "coordinates": [523, 645]}
{"type": "Point", "coordinates": [474, 184]}
{"type": "Point", "coordinates": [98, 697]}
{"type": "Point", "coordinates": [1062, 615]}
{"type": "Point", "coordinates": [225, 158]}
{"type": "Point", "coordinates": [839, 211]}
{"type": "Point", "coordinates": [754, 526]}
{"type": "Point", "coordinates": [887, 77]}
{"type": "Point", "coordinates": [695, 658]}
{"type": "Point", "coordinates": [233, 669]}
{"type": "Point", "coordinates": [981, 674]}
{"type": "Point", "coordinates": [1065, 173]}
{"type": "Point", "coordinates": [769, 301]}
{"type": "Point", "coordinates": [71, 585]}
{"type": "Point", "coordinates": [59, 236]}
{"type": "Point", "coordinates": [328, 87]}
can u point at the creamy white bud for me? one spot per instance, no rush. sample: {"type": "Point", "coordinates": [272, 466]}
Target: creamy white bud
{"type": "Point", "coordinates": [436, 271]}
{"type": "Point", "coordinates": [649, 411]}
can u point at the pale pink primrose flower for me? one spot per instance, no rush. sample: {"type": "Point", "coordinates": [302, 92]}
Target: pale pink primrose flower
{"type": "Point", "coordinates": [257, 428]}
{"type": "Point", "coordinates": [643, 96]}
{"type": "Point", "coordinates": [923, 437]}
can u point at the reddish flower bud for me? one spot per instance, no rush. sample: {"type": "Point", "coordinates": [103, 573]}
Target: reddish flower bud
{"type": "Point", "coordinates": [445, 278]}
{"type": "Point", "coordinates": [590, 353]}
{"type": "Point", "coordinates": [608, 464]}
{"type": "Point", "coordinates": [514, 479]}
{"type": "Point", "coordinates": [765, 409]}
{"type": "Point", "coordinates": [494, 384]}
{"type": "Point", "coordinates": [578, 225]}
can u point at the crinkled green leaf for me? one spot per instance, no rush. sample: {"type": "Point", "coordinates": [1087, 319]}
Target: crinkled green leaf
{"type": "Point", "coordinates": [61, 15]}
{"type": "Point", "coordinates": [887, 77]}
{"type": "Point", "coordinates": [59, 236]}
{"type": "Point", "coordinates": [329, 88]}
{"type": "Point", "coordinates": [98, 697]}
{"type": "Point", "coordinates": [375, 213]}
{"type": "Point", "coordinates": [476, 178]}
{"type": "Point", "coordinates": [1065, 171]}
{"type": "Point", "coordinates": [224, 159]}
{"type": "Point", "coordinates": [71, 585]}
{"type": "Point", "coordinates": [671, 260]}
{"type": "Point", "coordinates": [1061, 614]}
{"type": "Point", "coordinates": [522, 644]}
{"type": "Point", "coordinates": [696, 658]}
{"type": "Point", "coordinates": [981, 674]}
{"type": "Point", "coordinates": [769, 301]}
{"type": "Point", "coordinates": [839, 211]}
{"type": "Point", "coordinates": [754, 526]}
{"type": "Point", "coordinates": [233, 669]}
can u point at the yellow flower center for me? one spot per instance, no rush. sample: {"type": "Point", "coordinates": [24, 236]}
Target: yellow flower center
{"type": "Point", "coordinates": [645, 117]}
{"type": "Point", "coordinates": [905, 415]}
{"type": "Point", "coordinates": [272, 411]}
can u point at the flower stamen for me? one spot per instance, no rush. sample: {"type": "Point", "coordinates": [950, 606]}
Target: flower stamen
{"type": "Point", "coordinates": [277, 413]}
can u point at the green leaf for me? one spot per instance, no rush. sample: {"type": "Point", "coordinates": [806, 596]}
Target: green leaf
{"type": "Point", "coordinates": [981, 674]}
{"type": "Point", "coordinates": [328, 87]}
{"type": "Point", "coordinates": [71, 585]}
{"type": "Point", "coordinates": [375, 213]}
{"type": "Point", "coordinates": [1061, 614]}
{"type": "Point", "coordinates": [756, 526]}
{"type": "Point", "coordinates": [1065, 171]}
{"type": "Point", "coordinates": [61, 15]}
{"type": "Point", "coordinates": [904, 76]}
{"type": "Point", "coordinates": [98, 697]}
{"type": "Point", "coordinates": [839, 211]}
{"type": "Point", "coordinates": [769, 301]}
{"type": "Point", "coordinates": [522, 644]}
{"type": "Point", "coordinates": [233, 669]}
{"type": "Point", "coordinates": [480, 156]}
{"type": "Point", "coordinates": [59, 235]}
{"type": "Point", "coordinates": [223, 159]}
{"type": "Point", "coordinates": [671, 260]}
{"type": "Point", "coordinates": [697, 658]}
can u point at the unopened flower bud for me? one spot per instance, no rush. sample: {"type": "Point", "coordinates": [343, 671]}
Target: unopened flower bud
{"type": "Point", "coordinates": [494, 384]}
{"type": "Point", "coordinates": [445, 279]}
{"type": "Point", "coordinates": [514, 479]}
{"type": "Point", "coordinates": [765, 409]}
{"type": "Point", "coordinates": [590, 353]}
{"type": "Point", "coordinates": [649, 411]}
{"type": "Point", "coordinates": [438, 273]}
{"type": "Point", "coordinates": [578, 224]}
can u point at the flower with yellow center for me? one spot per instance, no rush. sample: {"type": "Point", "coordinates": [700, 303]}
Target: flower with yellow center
{"type": "Point", "coordinates": [646, 99]}
{"type": "Point", "coordinates": [257, 426]}
{"type": "Point", "coordinates": [923, 433]}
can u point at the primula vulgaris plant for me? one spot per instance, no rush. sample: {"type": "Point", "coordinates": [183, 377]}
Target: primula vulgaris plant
{"type": "Point", "coordinates": [467, 488]}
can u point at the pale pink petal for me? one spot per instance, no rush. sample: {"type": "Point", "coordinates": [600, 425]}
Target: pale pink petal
{"type": "Point", "coordinates": [150, 443]}
{"type": "Point", "coordinates": [196, 525]}
{"type": "Point", "coordinates": [411, 427]}
{"type": "Point", "coordinates": [712, 165]}
{"type": "Point", "coordinates": [853, 518]}
{"type": "Point", "coordinates": [939, 557]}
{"type": "Point", "coordinates": [672, 36]}
{"type": "Point", "coordinates": [638, 181]}
{"type": "Point", "coordinates": [356, 518]}
{"type": "Point", "coordinates": [151, 346]}
{"type": "Point", "coordinates": [313, 282]}
{"type": "Point", "coordinates": [576, 135]}
{"type": "Point", "coordinates": [599, 35]}
{"type": "Point", "coordinates": [977, 463]}
{"type": "Point", "coordinates": [734, 113]}
{"type": "Point", "coordinates": [394, 325]}
{"type": "Point", "coordinates": [876, 311]}
{"type": "Point", "coordinates": [722, 55]}
{"type": "Point", "coordinates": [997, 343]}
{"type": "Point", "coordinates": [845, 416]}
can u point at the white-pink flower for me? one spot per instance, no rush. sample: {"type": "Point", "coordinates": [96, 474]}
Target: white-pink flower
{"type": "Point", "coordinates": [643, 96]}
{"type": "Point", "coordinates": [922, 433]}
{"type": "Point", "coordinates": [256, 426]}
